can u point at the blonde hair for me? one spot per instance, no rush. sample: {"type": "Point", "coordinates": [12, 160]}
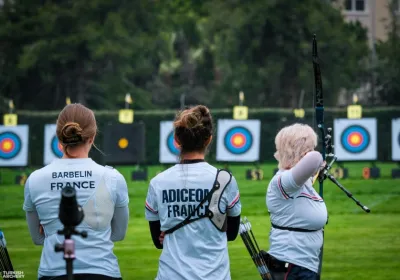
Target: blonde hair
{"type": "Point", "coordinates": [292, 143]}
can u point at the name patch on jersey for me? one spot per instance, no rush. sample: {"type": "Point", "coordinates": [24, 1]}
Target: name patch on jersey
{"type": "Point", "coordinates": [84, 184]}
{"type": "Point", "coordinates": [174, 197]}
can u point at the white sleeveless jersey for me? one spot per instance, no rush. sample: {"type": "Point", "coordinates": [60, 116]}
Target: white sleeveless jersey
{"type": "Point", "coordinates": [99, 190]}
{"type": "Point", "coordinates": [296, 207]}
{"type": "Point", "coordinates": [198, 250]}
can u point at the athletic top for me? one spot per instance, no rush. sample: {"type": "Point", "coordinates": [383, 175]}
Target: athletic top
{"type": "Point", "coordinates": [293, 202]}
{"type": "Point", "coordinates": [198, 250]}
{"type": "Point", "coordinates": [99, 190]}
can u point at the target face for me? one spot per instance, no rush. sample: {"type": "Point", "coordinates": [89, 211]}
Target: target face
{"type": "Point", "coordinates": [173, 147]}
{"type": "Point", "coordinates": [169, 150]}
{"type": "Point", "coordinates": [14, 145]}
{"type": "Point", "coordinates": [10, 145]}
{"type": "Point", "coordinates": [396, 139]}
{"type": "Point", "coordinates": [123, 143]}
{"type": "Point", "coordinates": [53, 149]}
{"type": "Point", "coordinates": [238, 140]}
{"type": "Point", "coordinates": [355, 139]}
{"type": "Point", "coordinates": [56, 147]}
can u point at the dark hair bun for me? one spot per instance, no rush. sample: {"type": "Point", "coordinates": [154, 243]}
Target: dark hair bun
{"type": "Point", "coordinates": [193, 128]}
{"type": "Point", "coordinates": [203, 110]}
{"type": "Point", "coordinates": [71, 133]}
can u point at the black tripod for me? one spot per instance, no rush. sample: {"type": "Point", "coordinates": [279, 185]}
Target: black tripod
{"type": "Point", "coordinates": [325, 172]}
{"type": "Point", "coordinates": [71, 215]}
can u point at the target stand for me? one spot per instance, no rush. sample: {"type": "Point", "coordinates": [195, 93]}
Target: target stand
{"type": "Point", "coordinates": [124, 144]}
{"type": "Point", "coordinates": [255, 174]}
{"type": "Point", "coordinates": [396, 172]}
{"type": "Point", "coordinates": [340, 171]}
{"type": "Point", "coordinates": [372, 172]}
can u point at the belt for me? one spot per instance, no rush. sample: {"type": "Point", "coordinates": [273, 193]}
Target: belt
{"type": "Point", "coordinates": [273, 264]}
{"type": "Point", "coordinates": [294, 229]}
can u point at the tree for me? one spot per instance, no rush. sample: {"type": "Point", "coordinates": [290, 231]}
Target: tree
{"type": "Point", "coordinates": [388, 68]}
{"type": "Point", "coordinates": [265, 50]}
{"type": "Point", "coordinates": [91, 51]}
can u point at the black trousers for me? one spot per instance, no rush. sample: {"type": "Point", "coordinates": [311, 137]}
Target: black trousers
{"type": "Point", "coordinates": [80, 277]}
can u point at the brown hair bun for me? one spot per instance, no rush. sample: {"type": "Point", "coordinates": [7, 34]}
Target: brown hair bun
{"type": "Point", "coordinates": [193, 129]}
{"type": "Point", "coordinates": [71, 133]}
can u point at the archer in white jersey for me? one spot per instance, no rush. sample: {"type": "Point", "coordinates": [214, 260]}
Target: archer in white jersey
{"type": "Point", "coordinates": [101, 191]}
{"type": "Point", "coordinates": [197, 250]}
{"type": "Point", "coordinates": [297, 212]}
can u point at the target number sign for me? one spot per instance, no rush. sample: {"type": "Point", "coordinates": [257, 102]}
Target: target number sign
{"type": "Point", "coordinates": [10, 119]}
{"type": "Point", "coordinates": [125, 116]}
{"type": "Point", "coordinates": [238, 140]}
{"type": "Point", "coordinates": [355, 139]}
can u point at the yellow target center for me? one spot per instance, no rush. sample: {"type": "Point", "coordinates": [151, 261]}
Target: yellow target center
{"type": "Point", "coordinates": [355, 139]}
{"type": "Point", "coordinates": [7, 146]}
{"type": "Point", "coordinates": [123, 143]}
{"type": "Point", "coordinates": [238, 140]}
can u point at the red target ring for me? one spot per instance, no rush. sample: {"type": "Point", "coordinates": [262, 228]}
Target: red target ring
{"type": "Point", "coordinates": [238, 140]}
{"type": "Point", "coordinates": [7, 145]}
{"type": "Point", "coordinates": [355, 139]}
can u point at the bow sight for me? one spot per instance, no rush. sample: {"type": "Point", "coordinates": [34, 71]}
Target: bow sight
{"type": "Point", "coordinates": [324, 173]}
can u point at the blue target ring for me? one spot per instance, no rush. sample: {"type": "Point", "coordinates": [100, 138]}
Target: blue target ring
{"type": "Point", "coordinates": [10, 145]}
{"type": "Point", "coordinates": [172, 145]}
{"type": "Point", "coordinates": [238, 140]}
{"type": "Point", "coordinates": [55, 147]}
{"type": "Point", "coordinates": [355, 139]}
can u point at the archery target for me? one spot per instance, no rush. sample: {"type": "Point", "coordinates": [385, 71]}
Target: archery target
{"type": "Point", "coordinates": [238, 140]}
{"type": "Point", "coordinates": [396, 139]}
{"type": "Point", "coordinates": [10, 145]}
{"type": "Point", "coordinates": [172, 146]}
{"type": "Point", "coordinates": [169, 149]}
{"type": "Point", "coordinates": [52, 147]}
{"type": "Point", "coordinates": [14, 146]}
{"type": "Point", "coordinates": [355, 139]}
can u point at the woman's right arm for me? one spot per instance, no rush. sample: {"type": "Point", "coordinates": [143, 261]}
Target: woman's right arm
{"type": "Point", "coordinates": [292, 180]}
{"type": "Point", "coordinates": [151, 213]}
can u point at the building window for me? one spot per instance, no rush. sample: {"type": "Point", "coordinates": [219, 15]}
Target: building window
{"type": "Point", "coordinates": [355, 5]}
{"type": "Point", "coordinates": [395, 5]}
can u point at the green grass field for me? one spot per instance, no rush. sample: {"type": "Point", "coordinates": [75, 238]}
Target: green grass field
{"type": "Point", "coordinates": [357, 245]}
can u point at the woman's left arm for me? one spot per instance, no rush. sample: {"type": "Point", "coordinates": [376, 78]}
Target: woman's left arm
{"type": "Point", "coordinates": [35, 229]}
{"type": "Point", "coordinates": [234, 209]}
{"type": "Point", "coordinates": [119, 222]}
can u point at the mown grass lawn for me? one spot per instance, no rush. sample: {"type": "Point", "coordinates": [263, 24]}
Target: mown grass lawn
{"type": "Point", "coordinates": [357, 245]}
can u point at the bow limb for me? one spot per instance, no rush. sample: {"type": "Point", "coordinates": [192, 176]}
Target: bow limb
{"type": "Point", "coordinates": [319, 105]}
